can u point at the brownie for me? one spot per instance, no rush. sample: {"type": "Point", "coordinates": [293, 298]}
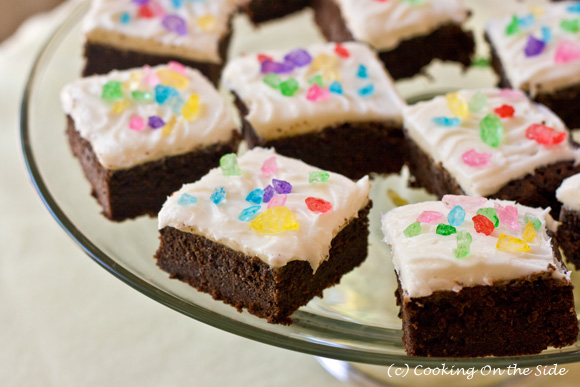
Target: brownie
{"type": "Point", "coordinates": [472, 285]}
{"type": "Point", "coordinates": [349, 124]}
{"type": "Point", "coordinates": [260, 11]}
{"type": "Point", "coordinates": [274, 233]}
{"type": "Point", "coordinates": [569, 229]}
{"type": "Point", "coordinates": [446, 42]}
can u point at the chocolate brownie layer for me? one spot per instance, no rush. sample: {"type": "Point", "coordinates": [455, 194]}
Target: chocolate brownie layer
{"type": "Point", "coordinates": [569, 235]}
{"type": "Point", "coordinates": [448, 43]}
{"type": "Point", "coordinates": [260, 11]}
{"type": "Point", "coordinates": [101, 59]}
{"type": "Point", "coordinates": [247, 282]}
{"type": "Point", "coordinates": [518, 317]}
{"type": "Point", "coordinates": [533, 190]}
{"type": "Point", "coordinates": [351, 149]}
{"type": "Point", "coordinates": [142, 190]}
{"type": "Point", "coordinates": [563, 102]}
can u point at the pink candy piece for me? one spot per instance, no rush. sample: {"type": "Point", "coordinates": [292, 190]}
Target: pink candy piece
{"type": "Point", "coordinates": [279, 201]}
{"type": "Point", "coordinates": [429, 216]}
{"type": "Point", "coordinates": [475, 159]}
{"type": "Point", "coordinates": [507, 215]}
{"type": "Point", "coordinates": [150, 77]}
{"type": "Point", "coordinates": [317, 93]}
{"type": "Point", "coordinates": [137, 123]}
{"type": "Point", "coordinates": [269, 166]}
{"type": "Point", "coordinates": [510, 94]}
{"type": "Point", "coordinates": [177, 67]}
{"type": "Point", "coordinates": [157, 9]}
{"type": "Point", "coordinates": [468, 203]}
{"type": "Point", "coordinates": [567, 51]}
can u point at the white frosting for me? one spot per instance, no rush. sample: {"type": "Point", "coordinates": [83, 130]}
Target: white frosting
{"type": "Point", "coordinates": [426, 263]}
{"type": "Point", "coordinates": [540, 72]}
{"type": "Point", "coordinates": [274, 115]}
{"type": "Point", "coordinates": [119, 147]}
{"type": "Point", "coordinates": [103, 25]}
{"type": "Point", "coordinates": [516, 155]}
{"type": "Point", "coordinates": [384, 25]}
{"type": "Point", "coordinates": [310, 242]}
{"type": "Point", "coordinates": [569, 192]}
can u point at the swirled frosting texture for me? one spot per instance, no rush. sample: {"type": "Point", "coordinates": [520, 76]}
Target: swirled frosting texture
{"type": "Point", "coordinates": [275, 115]}
{"type": "Point", "coordinates": [384, 24]}
{"type": "Point", "coordinates": [192, 31]}
{"type": "Point", "coordinates": [310, 242]}
{"type": "Point", "coordinates": [569, 192]}
{"type": "Point", "coordinates": [116, 145]}
{"type": "Point", "coordinates": [540, 72]}
{"type": "Point", "coordinates": [514, 158]}
{"type": "Point", "coordinates": [426, 263]}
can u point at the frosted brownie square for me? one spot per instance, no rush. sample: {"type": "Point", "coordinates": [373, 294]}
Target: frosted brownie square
{"type": "Point", "coordinates": [490, 142]}
{"type": "Point", "coordinates": [408, 35]}
{"type": "Point", "coordinates": [479, 277]}
{"type": "Point", "coordinates": [140, 134]}
{"type": "Point", "coordinates": [569, 229]}
{"type": "Point", "coordinates": [122, 34]}
{"type": "Point", "coordinates": [540, 54]}
{"type": "Point", "coordinates": [331, 105]}
{"type": "Point", "coordinates": [265, 232]}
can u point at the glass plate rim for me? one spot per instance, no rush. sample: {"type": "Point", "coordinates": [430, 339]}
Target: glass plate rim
{"type": "Point", "coordinates": [316, 348]}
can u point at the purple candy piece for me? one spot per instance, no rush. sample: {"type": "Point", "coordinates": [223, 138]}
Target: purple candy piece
{"type": "Point", "coordinates": [141, 2]}
{"type": "Point", "coordinates": [534, 46]}
{"type": "Point", "coordinates": [268, 194]}
{"type": "Point", "coordinates": [269, 66]}
{"type": "Point", "coordinates": [156, 122]}
{"type": "Point", "coordinates": [281, 186]}
{"type": "Point", "coordinates": [175, 23]}
{"type": "Point", "coordinates": [298, 57]}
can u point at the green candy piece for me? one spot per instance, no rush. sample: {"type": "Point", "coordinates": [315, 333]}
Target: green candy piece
{"type": "Point", "coordinates": [289, 87]}
{"type": "Point", "coordinates": [491, 130]}
{"type": "Point", "coordinates": [272, 80]}
{"type": "Point", "coordinates": [316, 79]}
{"type": "Point", "coordinates": [477, 102]}
{"type": "Point", "coordinates": [529, 217]}
{"type": "Point", "coordinates": [513, 27]}
{"type": "Point", "coordinates": [481, 62]}
{"type": "Point", "coordinates": [142, 96]}
{"type": "Point", "coordinates": [416, 2]}
{"type": "Point", "coordinates": [112, 90]}
{"type": "Point", "coordinates": [572, 25]}
{"type": "Point", "coordinates": [318, 177]}
{"type": "Point", "coordinates": [413, 230]}
{"type": "Point", "coordinates": [490, 214]}
{"type": "Point", "coordinates": [445, 229]}
{"type": "Point", "coordinates": [464, 240]}
{"type": "Point", "coordinates": [229, 165]}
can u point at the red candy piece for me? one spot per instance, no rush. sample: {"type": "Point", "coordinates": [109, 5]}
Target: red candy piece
{"type": "Point", "coordinates": [505, 111]}
{"type": "Point", "coordinates": [341, 51]}
{"type": "Point", "coordinates": [318, 205]}
{"type": "Point", "coordinates": [482, 224]}
{"type": "Point", "coordinates": [545, 135]}
{"type": "Point", "coordinates": [262, 57]}
{"type": "Point", "coordinates": [146, 12]}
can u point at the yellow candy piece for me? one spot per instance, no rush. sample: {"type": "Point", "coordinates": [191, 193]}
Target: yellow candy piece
{"type": "Point", "coordinates": [191, 108]}
{"type": "Point", "coordinates": [396, 199]}
{"type": "Point", "coordinates": [120, 106]}
{"type": "Point", "coordinates": [275, 219]}
{"type": "Point", "coordinates": [133, 81]}
{"type": "Point", "coordinates": [529, 233]}
{"type": "Point", "coordinates": [457, 105]}
{"type": "Point", "coordinates": [331, 75]}
{"type": "Point", "coordinates": [511, 244]}
{"type": "Point", "coordinates": [207, 22]}
{"type": "Point", "coordinates": [166, 131]}
{"type": "Point", "coordinates": [171, 78]}
{"type": "Point", "coordinates": [537, 10]}
{"type": "Point", "coordinates": [324, 62]}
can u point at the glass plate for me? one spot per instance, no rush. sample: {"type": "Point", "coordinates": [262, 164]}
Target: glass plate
{"type": "Point", "coordinates": [355, 321]}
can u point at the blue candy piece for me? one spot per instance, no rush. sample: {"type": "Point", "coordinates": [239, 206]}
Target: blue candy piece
{"type": "Point", "coordinates": [367, 90]}
{"type": "Point", "coordinates": [281, 186]}
{"type": "Point", "coordinates": [177, 3]}
{"type": "Point", "coordinates": [335, 87]}
{"type": "Point", "coordinates": [163, 93]}
{"type": "Point", "coordinates": [187, 200]}
{"type": "Point", "coordinates": [218, 195]}
{"type": "Point", "coordinates": [248, 214]}
{"type": "Point", "coordinates": [176, 103]}
{"type": "Point", "coordinates": [574, 8]}
{"type": "Point", "coordinates": [125, 18]}
{"type": "Point", "coordinates": [362, 72]}
{"type": "Point", "coordinates": [255, 196]}
{"type": "Point", "coordinates": [456, 216]}
{"type": "Point", "coordinates": [526, 21]}
{"type": "Point", "coordinates": [451, 122]}
{"type": "Point", "coordinates": [546, 34]}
